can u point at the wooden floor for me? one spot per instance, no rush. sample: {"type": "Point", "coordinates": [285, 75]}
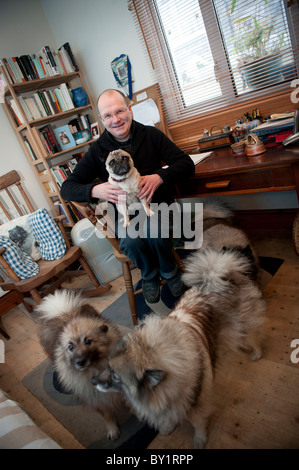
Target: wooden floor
{"type": "Point", "coordinates": [257, 403]}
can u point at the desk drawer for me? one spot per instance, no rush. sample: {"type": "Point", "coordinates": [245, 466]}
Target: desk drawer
{"type": "Point", "coordinates": [238, 182]}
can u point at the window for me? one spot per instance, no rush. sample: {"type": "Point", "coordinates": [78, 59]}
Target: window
{"type": "Point", "coordinates": [208, 54]}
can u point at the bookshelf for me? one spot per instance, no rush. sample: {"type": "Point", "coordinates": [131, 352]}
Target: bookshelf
{"type": "Point", "coordinates": [36, 135]}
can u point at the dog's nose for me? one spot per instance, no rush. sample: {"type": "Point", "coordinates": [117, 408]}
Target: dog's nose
{"type": "Point", "coordinates": [80, 362]}
{"type": "Point", "coordinates": [94, 381]}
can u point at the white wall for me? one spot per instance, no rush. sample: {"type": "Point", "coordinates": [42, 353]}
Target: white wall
{"type": "Point", "coordinates": [23, 30]}
{"type": "Point", "coordinates": [98, 31]}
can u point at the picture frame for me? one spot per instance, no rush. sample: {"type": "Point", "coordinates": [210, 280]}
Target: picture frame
{"type": "Point", "coordinates": [95, 133]}
{"type": "Point", "coordinates": [64, 137]}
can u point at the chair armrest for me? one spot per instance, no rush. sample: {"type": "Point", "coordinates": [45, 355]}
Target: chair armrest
{"type": "Point", "coordinates": [2, 250]}
{"type": "Point", "coordinates": [58, 219]}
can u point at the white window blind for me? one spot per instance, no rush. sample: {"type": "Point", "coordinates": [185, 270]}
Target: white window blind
{"type": "Point", "coordinates": [208, 54]}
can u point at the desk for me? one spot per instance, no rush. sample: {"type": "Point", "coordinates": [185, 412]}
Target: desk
{"type": "Point", "coordinates": [223, 173]}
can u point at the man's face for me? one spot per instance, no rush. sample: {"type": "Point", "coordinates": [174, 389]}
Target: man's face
{"type": "Point", "coordinates": [116, 115]}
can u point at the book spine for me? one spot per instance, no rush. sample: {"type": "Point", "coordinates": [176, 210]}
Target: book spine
{"type": "Point", "coordinates": [30, 149]}
{"type": "Point", "coordinates": [67, 61]}
{"type": "Point", "coordinates": [16, 112]}
{"type": "Point", "coordinates": [52, 62]}
{"type": "Point", "coordinates": [48, 101]}
{"type": "Point", "coordinates": [60, 99]}
{"type": "Point", "coordinates": [71, 55]}
{"type": "Point", "coordinates": [9, 71]}
{"type": "Point", "coordinates": [62, 62]}
{"type": "Point", "coordinates": [15, 70]}
{"type": "Point", "coordinates": [46, 62]}
{"type": "Point", "coordinates": [66, 95]}
{"type": "Point", "coordinates": [44, 102]}
{"type": "Point", "coordinates": [22, 69]}
{"type": "Point", "coordinates": [39, 105]}
{"type": "Point", "coordinates": [26, 108]}
{"type": "Point", "coordinates": [38, 66]}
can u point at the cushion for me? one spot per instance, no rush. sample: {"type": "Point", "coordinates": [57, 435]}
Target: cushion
{"type": "Point", "coordinates": [18, 431]}
{"type": "Point", "coordinates": [47, 234]}
{"type": "Point", "coordinates": [20, 232]}
{"type": "Point", "coordinates": [18, 260]}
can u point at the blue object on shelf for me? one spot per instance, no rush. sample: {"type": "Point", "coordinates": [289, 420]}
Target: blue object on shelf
{"type": "Point", "coordinates": [80, 97]}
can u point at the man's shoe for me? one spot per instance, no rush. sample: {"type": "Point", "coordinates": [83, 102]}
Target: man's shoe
{"type": "Point", "coordinates": [176, 285]}
{"type": "Point", "coordinates": [151, 290]}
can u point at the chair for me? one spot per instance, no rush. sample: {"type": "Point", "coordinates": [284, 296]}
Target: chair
{"type": "Point", "coordinates": [101, 222]}
{"type": "Point", "coordinates": [51, 273]}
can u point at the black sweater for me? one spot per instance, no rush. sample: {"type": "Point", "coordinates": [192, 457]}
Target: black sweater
{"type": "Point", "coordinates": [150, 148]}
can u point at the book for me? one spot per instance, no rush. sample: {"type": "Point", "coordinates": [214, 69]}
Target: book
{"type": "Point", "coordinates": [65, 92]}
{"type": "Point", "coordinates": [68, 49]}
{"type": "Point", "coordinates": [9, 71]}
{"type": "Point", "coordinates": [52, 62]}
{"type": "Point", "coordinates": [30, 149]}
{"type": "Point", "coordinates": [16, 112]}
{"type": "Point", "coordinates": [66, 60]}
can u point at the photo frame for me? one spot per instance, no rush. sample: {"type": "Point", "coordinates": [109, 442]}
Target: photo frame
{"type": "Point", "coordinates": [95, 133]}
{"type": "Point", "coordinates": [64, 137]}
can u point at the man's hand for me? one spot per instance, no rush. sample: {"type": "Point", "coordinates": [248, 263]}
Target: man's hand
{"type": "Point", "coordinates": [148, 186]}
{"type": "Point", "coordinates": [107, 192]}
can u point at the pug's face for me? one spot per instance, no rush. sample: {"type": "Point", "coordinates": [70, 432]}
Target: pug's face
{"type": "Point", "coordinates": [119, 163]}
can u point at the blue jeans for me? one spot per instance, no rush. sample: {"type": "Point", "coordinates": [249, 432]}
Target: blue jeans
{"type": "Point", "coordinates": [152, 255]}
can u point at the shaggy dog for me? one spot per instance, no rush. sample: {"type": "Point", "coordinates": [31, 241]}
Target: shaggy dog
{"type": "Point", "coordinates": [78, 340]}
{"type": "Point", "coordinates": [166, 366]}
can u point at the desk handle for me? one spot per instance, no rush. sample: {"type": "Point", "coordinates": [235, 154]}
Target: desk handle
{"type": "Point", "coordinates": [218, 184]}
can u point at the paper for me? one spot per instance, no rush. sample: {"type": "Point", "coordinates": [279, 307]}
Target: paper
{"type": "Point", "coordinates": [141, 96]}
{"type": "Point", "coordinates": [275, 123]}
{"type": "Point", "coordinates": [197, 158]}
{"type": "Point", "coordinates": [146, 112]}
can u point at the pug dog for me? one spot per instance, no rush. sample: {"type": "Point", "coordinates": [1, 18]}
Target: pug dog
{"type": "Point", "coordinates": [124, 175]}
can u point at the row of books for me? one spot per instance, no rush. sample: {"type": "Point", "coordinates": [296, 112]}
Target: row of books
{"type": "Point", "coordinates": [61, 172]}
{"type": "Point", "coordinates": [75, 214]}
{"type": "Point", "coordinates": [45, 63]}
{"type": "Point", "coordinates": [43, 103]}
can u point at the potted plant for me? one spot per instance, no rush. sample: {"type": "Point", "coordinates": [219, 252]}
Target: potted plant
{"type": "Point", "coordinates": [258, 50]}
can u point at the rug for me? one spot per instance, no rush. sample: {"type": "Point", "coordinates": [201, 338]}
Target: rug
{"type": "Point", "coordinates": [86, 426]}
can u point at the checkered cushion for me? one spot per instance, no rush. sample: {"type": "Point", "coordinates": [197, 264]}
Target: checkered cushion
{"type": "Point", "coordinates": [17, 259]}
{"type": "Point", "coordinates": [47, 234]}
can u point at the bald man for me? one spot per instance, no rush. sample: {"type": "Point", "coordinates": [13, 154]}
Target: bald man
{"type": "Point", "coordinates": [150, 150]}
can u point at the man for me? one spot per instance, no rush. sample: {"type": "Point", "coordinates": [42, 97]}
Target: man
{"type": "Point", "coordinates": [153, 256]}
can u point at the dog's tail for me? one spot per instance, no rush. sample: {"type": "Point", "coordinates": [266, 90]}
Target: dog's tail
{"type": "Point", "coordinates": [61, 302]}
{"type": "Point", "coordinates": [214, 271]}
{"type": "Point", "coordinates": [216, 209]}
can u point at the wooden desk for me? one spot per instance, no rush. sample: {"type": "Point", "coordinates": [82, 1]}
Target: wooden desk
{"type": "Point", "coordinates": [223, 173]}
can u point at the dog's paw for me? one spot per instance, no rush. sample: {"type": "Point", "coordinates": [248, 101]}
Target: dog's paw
{"type": "Point", "coordinates": [199, 440]}
{"type": "Point", "coordinates": [113, 432]}
{"type": "Point", "coordinates": [150, 213]}
{"type": "Point", "coordinates": [255, 355]}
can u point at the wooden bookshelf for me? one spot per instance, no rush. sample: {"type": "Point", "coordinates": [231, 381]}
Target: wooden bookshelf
{"type": "Point", "coordinates": [44, 161]}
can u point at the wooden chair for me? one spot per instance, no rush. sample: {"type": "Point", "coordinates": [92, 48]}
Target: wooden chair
{"type": "Point", "coordinates": [103, 224]}
{"type": "Point", "coordinates": [51, 273]}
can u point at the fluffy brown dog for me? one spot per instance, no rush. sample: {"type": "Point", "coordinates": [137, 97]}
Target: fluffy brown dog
{"type": "Point", "coordinates": [124, 175]}
{"type": "Point", "coordinates": [166, 366]}
{"type": "Point", "coordinates": [78, 340]}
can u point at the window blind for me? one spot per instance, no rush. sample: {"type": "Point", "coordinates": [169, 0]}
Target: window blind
{"type": "Point", "coordinates": [208, 54]}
